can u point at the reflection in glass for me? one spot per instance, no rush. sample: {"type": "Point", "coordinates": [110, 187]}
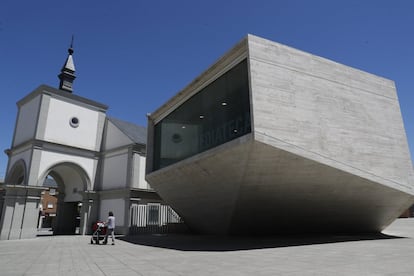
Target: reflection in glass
{"type": "Point", "coordinates": [217, 114]}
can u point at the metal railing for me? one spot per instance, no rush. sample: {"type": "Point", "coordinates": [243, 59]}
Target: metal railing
{"type": "Point", "coordinates": [154, 218]}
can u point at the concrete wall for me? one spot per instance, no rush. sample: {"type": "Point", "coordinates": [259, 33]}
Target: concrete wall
{"type": "Point", "coordinates": [327, 152]}
{"type": "Point", "coordinates": [328, 112]}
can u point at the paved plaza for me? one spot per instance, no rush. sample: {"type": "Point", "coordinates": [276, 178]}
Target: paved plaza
{"type": "Point", "coordinates": [389, 254]}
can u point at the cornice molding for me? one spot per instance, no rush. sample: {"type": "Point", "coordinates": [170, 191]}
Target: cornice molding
{"type": "Point", "coordinates": [55, 147]}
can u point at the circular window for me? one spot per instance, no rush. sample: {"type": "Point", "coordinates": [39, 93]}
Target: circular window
{"type": "Point", "coordinates": [74, 122]}
{"type": "Point", "coordinates": [176, 138]}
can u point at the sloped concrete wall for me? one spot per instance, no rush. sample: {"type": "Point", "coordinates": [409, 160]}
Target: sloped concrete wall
{"type": "Point", "coordinates": [329, 112]}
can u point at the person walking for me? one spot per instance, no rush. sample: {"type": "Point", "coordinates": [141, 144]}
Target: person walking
{"type": "Point", "coordinates": [110, 228]}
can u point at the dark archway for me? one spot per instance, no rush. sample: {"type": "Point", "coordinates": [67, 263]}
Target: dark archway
{"type": "Point", "coordinates": [69, 182]}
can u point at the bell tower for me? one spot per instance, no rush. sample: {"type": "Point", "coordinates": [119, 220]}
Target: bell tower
{"type": "Point", "coordinates": [67, 73]}
{"type": "Point", "coordinates": [57, 134]}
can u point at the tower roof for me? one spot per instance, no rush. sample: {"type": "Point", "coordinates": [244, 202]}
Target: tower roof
{"type": "Point", "coordinates": [67, 73]}
{"type": "Point", "coordinates": [137, 134]}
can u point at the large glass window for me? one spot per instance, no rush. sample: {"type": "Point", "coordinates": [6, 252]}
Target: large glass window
{"type": "Point", "coordinates": [217, 114]}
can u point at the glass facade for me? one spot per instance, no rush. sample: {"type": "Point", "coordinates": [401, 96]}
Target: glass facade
{"type": "Point", "coordinates": [217, 114]}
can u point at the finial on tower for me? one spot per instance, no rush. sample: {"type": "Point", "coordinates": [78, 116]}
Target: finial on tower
{"type": "Point", "coordinates": [67, 73]}
{"type": "Point", "coordinates": [70, 50]}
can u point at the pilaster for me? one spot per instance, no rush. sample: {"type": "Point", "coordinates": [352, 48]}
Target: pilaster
{"type": "Point", "coordinates": [89, 211]}
{"type": "Point", "coordinates": [20, 211]}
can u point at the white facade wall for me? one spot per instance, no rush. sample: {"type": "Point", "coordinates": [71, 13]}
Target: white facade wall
{"type": "Point", "coordinates": [24, 155]}
{"type": "Point", "coordinates": [58, 129]}
{"type": "Point", "coordinates": [15, 217]}
{"type": "Point", "coordinates": [114, 137]}
{"type": "Point", "coordinates": [27, 121]}
{"type": "Point", "coordinates": [115, 170]}
{"type": "Point", "coordinates": [138, 173]}
{"type": "Point", "coordinates": [48, 160]}
{"type": "Point", "coordinates": [328, 112]}
{"type": "Point", "coordinates": [74, 185]}
{"type": "Point", "coordinates": [117, 206]}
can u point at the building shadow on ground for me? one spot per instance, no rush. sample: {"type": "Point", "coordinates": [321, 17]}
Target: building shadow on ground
{"type": "Point", "coordinates": [188, 242]}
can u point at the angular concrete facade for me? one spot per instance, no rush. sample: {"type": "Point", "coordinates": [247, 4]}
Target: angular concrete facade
{"type": "Point", "coordinates": [326, 150]}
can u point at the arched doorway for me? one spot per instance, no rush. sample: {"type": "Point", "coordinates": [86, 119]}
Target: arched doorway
{"type": "Point", "coordinates": [69, 183]}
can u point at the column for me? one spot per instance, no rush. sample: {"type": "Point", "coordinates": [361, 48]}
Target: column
{"type": "Point", "coordinates": [20, 211]}
{"type": "Point", "coordinates": [88, 212]}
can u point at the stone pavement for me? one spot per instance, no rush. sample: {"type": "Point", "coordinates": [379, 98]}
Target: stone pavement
{"type": "Point", "coordinates": [388, 254]}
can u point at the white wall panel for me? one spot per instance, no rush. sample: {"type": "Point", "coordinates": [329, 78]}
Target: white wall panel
{"type": "Point", "coordinates": [50, 159]}
{"type": "Point", "coordinates": [117, 206]}
{"type": "Point", "coordinates": [26, 122]}
{"type": "Point", "coordinates": [115, 138]}
{"type": "Point", "coordinates": [24, 155]}
{"type": "Point", "coordinates": [115, 171]}
{"type": "Point", "coordinates": [139, 173]}
{"type": "Point", "coordinates": [59, 130]}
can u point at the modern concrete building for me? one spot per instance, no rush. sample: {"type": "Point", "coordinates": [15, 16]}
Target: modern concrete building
{"type": "Point", "coordinates": [272, 139]}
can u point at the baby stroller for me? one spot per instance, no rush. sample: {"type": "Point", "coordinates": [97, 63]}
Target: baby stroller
{"type": "Point", "coordinates": [99, 232]}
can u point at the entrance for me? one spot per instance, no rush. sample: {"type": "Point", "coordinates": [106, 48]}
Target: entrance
{"type": "Point", "coordinates": [68, 219]}
{"type": "Point", "coordinates": [62, 203]}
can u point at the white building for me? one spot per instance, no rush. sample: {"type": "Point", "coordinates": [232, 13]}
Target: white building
{"type": "Point", "coordinates": [98, 163]}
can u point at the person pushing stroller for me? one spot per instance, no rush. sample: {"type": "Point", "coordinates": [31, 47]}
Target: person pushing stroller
{"type": "Point", "coordinates": [110, 224]}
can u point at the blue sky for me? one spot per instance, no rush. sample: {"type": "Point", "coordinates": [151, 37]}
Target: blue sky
{"type": "Point", "coordinates": [134, 55]}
